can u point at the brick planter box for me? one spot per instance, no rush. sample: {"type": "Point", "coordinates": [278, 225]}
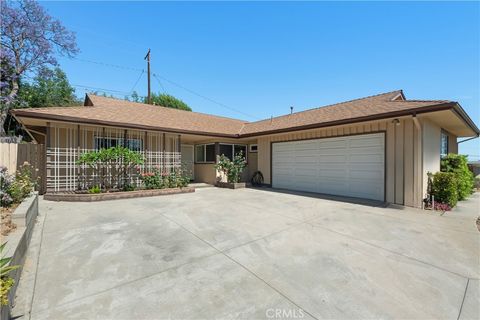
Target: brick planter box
{"type": "Point", "coordinates": [231, 185]}
{"type": "Point", "coordinates": [87, 197]}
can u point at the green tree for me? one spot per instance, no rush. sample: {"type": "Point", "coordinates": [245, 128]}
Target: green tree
{"type": "Point", "coordinates": [135, 97]}
{"type": "Point", "coordinates": [168, 101]}
{"type": "Point", "coordinates": [50, 88]}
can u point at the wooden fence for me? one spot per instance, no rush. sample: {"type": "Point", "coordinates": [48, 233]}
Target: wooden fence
{"type": "Point", "coordinates": [13, 155]}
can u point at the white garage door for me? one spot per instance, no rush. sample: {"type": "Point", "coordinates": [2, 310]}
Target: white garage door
{"type": "Point", "coordinates": [352, 166]}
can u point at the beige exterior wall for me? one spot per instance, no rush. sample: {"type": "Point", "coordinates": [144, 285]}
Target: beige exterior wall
{"type": "Point", "coordinates": [205, 172]}
{"type": "Point", "coordinates": [403, 141]}
{"type": "Point", "coordinates": [452, 143]}
{"type": "Point", "coordinates": [431, 150]}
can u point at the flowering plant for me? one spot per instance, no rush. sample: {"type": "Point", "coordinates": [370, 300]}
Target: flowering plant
{"type": "Point", "coordinates": [13, 189]}
{"type": "Point", "coordinates": [442, 206]}
{"type": "Point", "coordinates": [5, 183]}
{"type": "Point", "coordinates": [159, 179]}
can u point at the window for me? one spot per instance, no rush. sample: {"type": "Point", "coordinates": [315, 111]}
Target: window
{"type": "Point", "coordinates": [253, 148]}
{"type": "Point", "coordinates": [233, 149]}
{"type": "Point", "coordinates": [132, 144]}
{"type": "Point", "coordinates": [205, 153]}
{"type": "Point", "coordinates": [444, 144]}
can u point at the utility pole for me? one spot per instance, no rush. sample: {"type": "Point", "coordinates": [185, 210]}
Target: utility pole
{"type": "Point", "coordinates": [147, 57]}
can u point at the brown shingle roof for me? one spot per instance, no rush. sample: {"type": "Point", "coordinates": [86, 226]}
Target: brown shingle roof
{"type": "Point", "coordinates": [348, 111]}
{"type": "Point", "coordinates": [109, 111]}
{"type": "Point", "coordinates": [139, 115]}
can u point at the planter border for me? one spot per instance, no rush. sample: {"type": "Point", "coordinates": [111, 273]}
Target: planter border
{"type": "Point", "coordinates": [231, 185]}
{"type": "Point", "coordinates": [87, 197]}
{"type": "Point", "coordinates": [24, 217]}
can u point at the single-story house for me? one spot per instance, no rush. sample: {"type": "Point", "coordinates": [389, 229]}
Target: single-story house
{"type": "Point", "coordinates": [378, 147]}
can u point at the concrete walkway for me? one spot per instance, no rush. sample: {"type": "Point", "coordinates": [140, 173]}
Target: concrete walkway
{"type": "Point", "coordinates": [252, 254]}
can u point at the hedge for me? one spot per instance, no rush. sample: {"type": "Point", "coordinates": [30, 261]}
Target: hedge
{"type": "Point", "coordinates": [444, 188]}
{"type": "Point", "coordinates": [457, 164]}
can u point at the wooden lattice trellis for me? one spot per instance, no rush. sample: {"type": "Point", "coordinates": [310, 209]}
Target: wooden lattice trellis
{"type": "Point", "coordinates": [66, 143]}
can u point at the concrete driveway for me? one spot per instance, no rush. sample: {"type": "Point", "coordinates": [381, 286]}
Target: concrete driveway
{"type": "Point", "coordinates": [253, 254]}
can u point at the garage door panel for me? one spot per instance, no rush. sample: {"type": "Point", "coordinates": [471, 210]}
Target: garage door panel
{"type": "Point", "coordinates": [369, 191]}
{"type": "Point", "coordinates": [367, 158]}
{"type": "Point", "coordinates": [366, 175]}
{"type": "Point", "coordinates": [363, 141]}
{"type": "Point", "coordinates": [332, 158]}
{"type": "Point", "coordinates": [348, 166]}
{"type": "Point", "coordinates": [333, 144]}
{"type": "Point", "coordinates": [368, 150]}
{"type": "Point", "coordinates": [333, 187]}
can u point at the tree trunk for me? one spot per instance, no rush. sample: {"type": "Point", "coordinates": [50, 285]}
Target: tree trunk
{"type": "Point", "coordinates": [7, 106]}
{"type": "Point", "coordinates": [3, 118]}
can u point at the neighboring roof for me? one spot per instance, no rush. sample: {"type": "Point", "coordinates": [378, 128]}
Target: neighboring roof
{"type": "Point", "coordinates": [109, 111]}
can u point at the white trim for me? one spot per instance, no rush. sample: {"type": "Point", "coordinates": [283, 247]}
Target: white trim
{"type": "Point", "coordinates": [250, 148]}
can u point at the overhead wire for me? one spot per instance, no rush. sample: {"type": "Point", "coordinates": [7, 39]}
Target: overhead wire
{"type": "Point", "coordinates": [159, 77]}
{"type": "Point", "coordinates": [136, 82]}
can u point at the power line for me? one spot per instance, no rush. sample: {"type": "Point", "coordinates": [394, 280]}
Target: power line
{"type": "Point", "coordinates": [173, 83]}
{"type": "Point", "coordinates": [108, 64]}
{"type": "Point", "coordinates": [136, 82]}
{"type": "Point", "coordinates": [205, 97]}
{"type": "Point", "coordinates": [160, 83]}
{"type": "Point", "coordinates": [100, 89]}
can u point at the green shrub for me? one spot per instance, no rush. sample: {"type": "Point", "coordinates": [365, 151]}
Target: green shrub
{"type": "Point", "coordinates": [157, 179]}
{"type": "Point", "coordinates": [444, 188]}
{"type": "Point", "coordinates": [457, 164]}
{"type": "Point", "coordinates": [6, 282]}
{"type": "Point", "coordinates": [95, 189]}
{"type": "Point", "coordinates": [232, 168]}
{"type": "Point", "coordinates": [119, 159]}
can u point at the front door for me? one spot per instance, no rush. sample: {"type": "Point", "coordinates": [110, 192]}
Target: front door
{"type": "Point", "coordinates": [187, 160]}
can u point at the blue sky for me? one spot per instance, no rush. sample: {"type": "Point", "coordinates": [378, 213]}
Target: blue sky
{"type": "Point", "coordinates": [258, 59]}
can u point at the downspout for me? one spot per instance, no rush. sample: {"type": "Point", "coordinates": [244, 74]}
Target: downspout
{"type": "Point", "coordinates": [420, 140]}
{"type": "Point", "coordinates": [475, 137]}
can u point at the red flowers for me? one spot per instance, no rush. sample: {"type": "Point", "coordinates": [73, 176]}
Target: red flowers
{"type": "Point", "coordinates": [148, 174]}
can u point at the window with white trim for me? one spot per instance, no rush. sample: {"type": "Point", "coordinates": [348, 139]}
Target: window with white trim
{"type": "Point", "coordinates": [229, 150]}
{"type": "Point", "coordinates": [253, 148]}
{"type": "Point", "coordinates": [205, 153]}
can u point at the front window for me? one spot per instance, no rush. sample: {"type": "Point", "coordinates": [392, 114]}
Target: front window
{"type": "Point", "coordinates": [205, 153]}
{"type": "Point", "coordinates": [444, 144]}
{"type": "Point", "coordinates": [229, 150]}
{"type": "Point", "coordinates": [105, 143]}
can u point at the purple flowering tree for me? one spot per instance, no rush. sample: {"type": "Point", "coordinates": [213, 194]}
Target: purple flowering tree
{"type": "Point", "coordinates": [30, 40]}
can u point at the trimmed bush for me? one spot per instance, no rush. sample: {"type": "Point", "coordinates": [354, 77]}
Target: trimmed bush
{"type": "Point", "coordinates": [457, 164]}
{"type": "Point", "coordinates": [444, 188]}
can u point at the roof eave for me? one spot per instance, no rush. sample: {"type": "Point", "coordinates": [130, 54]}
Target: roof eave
{"type": "Point", "coordinates": [433, 108]}
{"type": "Point", "coordinates": [457, 108]}
{"type": "Point", "coordinates": [68, 119]}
